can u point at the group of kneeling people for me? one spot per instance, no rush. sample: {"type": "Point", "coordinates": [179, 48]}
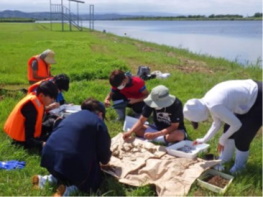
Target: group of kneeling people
{"type": "Point", "coordinates": [76, 147]}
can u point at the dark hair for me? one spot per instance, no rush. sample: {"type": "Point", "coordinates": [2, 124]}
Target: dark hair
{"type": "Point", "coordinates": [93, 105]}
{"type": "Point", "coordinates": [62, 82]}
{"type": "Point", "coordinates": [116, 78]}
{"type": "Point", "coordinates": [47, 88]}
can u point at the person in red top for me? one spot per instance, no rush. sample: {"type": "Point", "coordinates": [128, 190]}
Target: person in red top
{"type": "Point", "coordinates": [126, 91]}
{"type": "Point", "coordinates": [38, 67]}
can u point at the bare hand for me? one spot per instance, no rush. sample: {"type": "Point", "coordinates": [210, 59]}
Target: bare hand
{"type": "Point", "coordinates": [53, 106]}
{"type": "Point", "coordinates": [196, 142]}
{"type": "Point", "coordinates": [126, 135]}
{"type": "Point", "coordinates": [220, 148]}
{"type": "Point", "coordinates": [107, 103]}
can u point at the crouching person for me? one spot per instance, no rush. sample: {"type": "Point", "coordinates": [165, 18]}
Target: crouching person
{"type": "Point", "coordinates": [24, 124]}
{"type": "Point", "coordinates": [74, 151]}
{"type": "Point", "coordinates": [167, 116]}
{"type": "Point", "coordinates": [131, 89]}
{"type": "Point", "coordinates": [62, 82]}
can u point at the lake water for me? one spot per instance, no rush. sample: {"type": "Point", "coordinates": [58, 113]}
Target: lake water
{"type": "Point", "coordinates": [239, 41]}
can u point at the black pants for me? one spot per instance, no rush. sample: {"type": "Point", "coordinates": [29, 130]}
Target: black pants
{"type": "Point", "coordinates": [136, 107]}
{"type": "Point", "coordinates": [251, 123]}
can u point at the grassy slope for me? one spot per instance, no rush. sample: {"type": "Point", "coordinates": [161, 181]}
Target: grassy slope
{"type": "Point", "coordinates": [88, 57]}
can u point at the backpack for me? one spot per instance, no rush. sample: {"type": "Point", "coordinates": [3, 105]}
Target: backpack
{"type": "Point", "coordinates": [144, 72]}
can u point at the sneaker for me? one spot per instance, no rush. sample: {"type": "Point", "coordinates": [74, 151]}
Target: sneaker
{"type": "Point", "coordinates": [60, 191]}
{"type": "Point", "coordinates": [40, 181]}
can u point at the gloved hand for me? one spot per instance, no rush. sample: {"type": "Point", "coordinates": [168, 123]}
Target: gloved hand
{"type": "Point", "coordinates": [13, 164]}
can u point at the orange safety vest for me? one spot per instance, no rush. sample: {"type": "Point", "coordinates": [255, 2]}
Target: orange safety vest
{"type": "Point", "coordinates": [34, 86]}
{"type": "Point", "coordinates": [43, 68]}
{"type": "Point", "coordinates": [15, 123]}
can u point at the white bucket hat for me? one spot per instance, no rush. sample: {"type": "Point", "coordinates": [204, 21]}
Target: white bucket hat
{"type": "Point", "coordinates": [48, 56]}
{"type": "Point", "coordinates": [195, 111]}
{"type": "Point", "coordinates": [159, 97]}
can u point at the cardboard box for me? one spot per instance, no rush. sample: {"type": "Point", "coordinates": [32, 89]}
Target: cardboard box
{"type": "Point", "coordinates": [186, 149]}
{"type": "Point", "coordinates": [211, 172]}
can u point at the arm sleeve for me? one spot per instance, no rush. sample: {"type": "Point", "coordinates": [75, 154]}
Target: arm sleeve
{"type": "Point", "coordinates": [228, 117]}
{"type": "Point", "coordinates": [147, 111]}
{"type": "Point", "coordinates": [30, 114]}
{"type": "Point", "coordinates": [216, 125]}
{"type": "Point", "coordinates": [35, 65]}
{"type": "Point", "coordinates": [104, 143]}
{"type": "Point", "coordinates": [176, 112]}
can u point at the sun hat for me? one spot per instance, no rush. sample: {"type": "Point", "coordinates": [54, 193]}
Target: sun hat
{"type": "Point", "coordinates": [195, 110]}
{"type": "Point", "coordinates": [159, 97]}
{"type": "Point", "coordinates": [48, 56]}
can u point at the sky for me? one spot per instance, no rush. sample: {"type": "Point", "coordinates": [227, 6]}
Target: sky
{"type": "Point", "coordinates": [181, 7]}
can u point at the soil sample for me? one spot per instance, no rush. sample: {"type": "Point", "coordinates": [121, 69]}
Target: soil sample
{"type": "Point", "coordinates": [186, 149]}
{"type": "Point", "coordinates": [216, 180]}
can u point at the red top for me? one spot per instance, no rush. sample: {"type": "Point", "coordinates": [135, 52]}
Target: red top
{"type": "Point", "coordinates": [133, 89]}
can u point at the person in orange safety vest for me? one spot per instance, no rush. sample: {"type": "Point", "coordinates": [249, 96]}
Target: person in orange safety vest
{"type": "Point", "coordinates": [39, 66]}
{"type": "Point", "coordinates": [24, 124]}
{"type": "Point", "coordinates": [62, 82]}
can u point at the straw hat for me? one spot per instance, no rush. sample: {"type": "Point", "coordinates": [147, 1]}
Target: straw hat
{"type": "Point", "coordinates": [48, 56]}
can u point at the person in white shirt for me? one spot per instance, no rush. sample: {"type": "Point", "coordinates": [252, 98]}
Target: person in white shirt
{"type": "Point", "coordinates": [238, 105]}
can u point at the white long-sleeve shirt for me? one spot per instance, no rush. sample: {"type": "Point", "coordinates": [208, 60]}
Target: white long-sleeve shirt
{"type": "Point", "coordinates": [225, 100]}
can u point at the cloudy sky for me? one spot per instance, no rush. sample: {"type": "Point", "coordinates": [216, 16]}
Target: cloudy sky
{"type": "Point", "coordinates": [184, 7]}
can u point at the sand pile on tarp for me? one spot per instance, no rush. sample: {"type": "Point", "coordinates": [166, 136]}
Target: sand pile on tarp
{"type": "Point", "coordinates": [139, 163]}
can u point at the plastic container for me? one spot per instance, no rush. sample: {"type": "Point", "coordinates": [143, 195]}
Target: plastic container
{"type": "Point", "coordinates": [130, 121]}
{"type": "Point", "coordinates": [211, 187]}
{"type": "Point", "coordinates": [66, 109]}
{"type": "Point", "coordinates": [186, 149]}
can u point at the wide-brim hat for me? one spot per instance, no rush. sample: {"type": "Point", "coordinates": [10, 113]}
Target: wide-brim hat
{"type": "Point", "coordinates": [195, 110]}
{"type": "Point", "coordinates": [49, 56]}
{"type": "Point", "coordinates": [159, 97]}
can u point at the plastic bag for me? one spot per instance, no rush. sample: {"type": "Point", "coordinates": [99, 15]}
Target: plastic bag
{"type": "Point", "coordinates": [13, 164]}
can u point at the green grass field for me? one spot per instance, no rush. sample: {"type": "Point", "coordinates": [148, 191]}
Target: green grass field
{"type": "Point", "coordinates": [88, 57]}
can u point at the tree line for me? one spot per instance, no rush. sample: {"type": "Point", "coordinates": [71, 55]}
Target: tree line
{"type": "Point", "coordinates": [257, 15]}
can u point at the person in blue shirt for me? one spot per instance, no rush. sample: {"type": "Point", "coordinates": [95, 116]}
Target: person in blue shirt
{"type": "Point", "coordinates": [76, 149]}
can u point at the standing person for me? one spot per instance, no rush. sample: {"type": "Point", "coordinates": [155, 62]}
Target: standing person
{"type": "Point", "coordinates": [74, 151]}
{"type": "Point", "coordinates": [24, 123]}
{"type": "Point", "coordinates": [62, 82]}
{"type": "Point", "coordinates": [238, 104]}
{"type": "Point", "coordinates": [167, 116]}
{"type": "Point", "coordinates": [130, 89]}
{"type": "Point", "coordinates": [38, 66]}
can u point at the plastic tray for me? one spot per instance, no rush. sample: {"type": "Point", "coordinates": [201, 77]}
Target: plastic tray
{"type": "Point", "coordinates": [187, 144]}
{"type": "Point", "coordinates": [66, 109]}
{"type": "Point", "coordinates": [214, 188]}
{"type": "Point", "coordinates": [130, 121]}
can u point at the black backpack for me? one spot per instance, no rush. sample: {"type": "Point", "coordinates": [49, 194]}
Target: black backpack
{"type": "Point", "coordinates": [144, 72]}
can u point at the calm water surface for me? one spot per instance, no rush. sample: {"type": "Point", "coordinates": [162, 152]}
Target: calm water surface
{"type": "Point", "coordinates": [239, 41]}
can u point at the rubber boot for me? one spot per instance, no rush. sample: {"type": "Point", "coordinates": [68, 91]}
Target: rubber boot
{"type": "Point", "coordinates": [240, 161]}
{"type": "Point", "coordinates": [226, 155]}
{"type": "Point", "coordinates": [121, 114]}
